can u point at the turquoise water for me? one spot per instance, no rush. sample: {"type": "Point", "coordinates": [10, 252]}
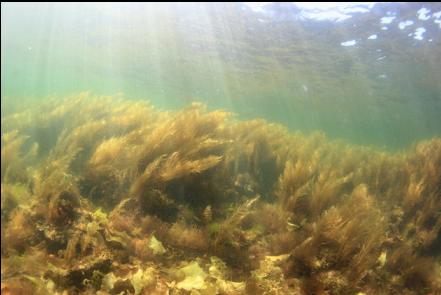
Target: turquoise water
{"type": "Point", "coordinates": [281, 62]}
{"type": "Point", "coordinates": [248, 148]}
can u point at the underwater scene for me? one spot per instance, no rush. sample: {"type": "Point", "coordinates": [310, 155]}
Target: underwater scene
{"type": "Point", "coordinates": [221, 148]}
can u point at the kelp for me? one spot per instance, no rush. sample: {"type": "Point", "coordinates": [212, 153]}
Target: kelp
{"type": "Point", "coordinates": [102, 195]}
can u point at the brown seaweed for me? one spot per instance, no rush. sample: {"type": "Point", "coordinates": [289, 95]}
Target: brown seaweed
{"type": "Point", "coordinates": [101, 195]}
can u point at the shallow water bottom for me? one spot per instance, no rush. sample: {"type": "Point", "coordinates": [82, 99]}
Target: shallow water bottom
{"type": "Point", "coordinates": [101, 195]}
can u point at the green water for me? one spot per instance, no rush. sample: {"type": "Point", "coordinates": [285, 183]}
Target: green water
{"type": "Point", "coordinates": [336, 191]}
{"type": "Point", "coordinates": [269, 62]}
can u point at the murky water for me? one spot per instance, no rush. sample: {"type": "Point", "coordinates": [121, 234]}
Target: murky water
{"type": "Point", "coordinates": [246, 148]}
{"type": "Point", "coordinates": [277, 61]}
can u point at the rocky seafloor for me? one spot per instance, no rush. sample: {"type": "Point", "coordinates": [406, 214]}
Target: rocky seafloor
{"type": "Point", "coordinates": [101, 195]}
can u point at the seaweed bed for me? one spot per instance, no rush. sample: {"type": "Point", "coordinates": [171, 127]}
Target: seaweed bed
{"type": "Point", "coordinates": [102, 195]}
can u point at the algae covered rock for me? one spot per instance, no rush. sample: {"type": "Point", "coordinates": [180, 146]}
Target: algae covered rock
{"type": "Point", "coordinates": [116, 197]}
{"type": "Point", "coordinates": [190, 277]}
